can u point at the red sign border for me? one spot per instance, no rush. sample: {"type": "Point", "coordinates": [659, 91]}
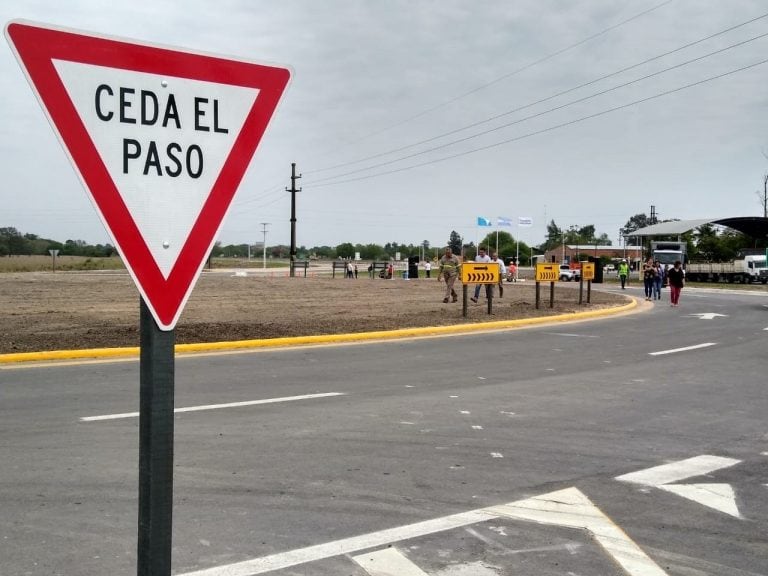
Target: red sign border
{"type": "Point", "coordinates": [37, 45]}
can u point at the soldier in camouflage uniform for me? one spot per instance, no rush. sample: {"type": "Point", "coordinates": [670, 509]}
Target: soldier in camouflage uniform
{"type": "Point", "coordinates": [449, 269]}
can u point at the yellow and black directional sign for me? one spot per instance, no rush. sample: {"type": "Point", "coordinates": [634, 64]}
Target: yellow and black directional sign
{"type": "Point", "coordinates": [547, 272]}
{"type": "Point", "coordinates": [479, 273]}
{"type": "Point", "coordinates": [588, 270]}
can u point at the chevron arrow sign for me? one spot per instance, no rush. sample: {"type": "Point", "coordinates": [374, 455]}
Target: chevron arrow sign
{"type": "Point", "coordinates": [479, 273]}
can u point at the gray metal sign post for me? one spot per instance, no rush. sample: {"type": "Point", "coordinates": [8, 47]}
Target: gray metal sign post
{"type": "Point", "coordinates": [156, 384]}
{"type": "Point", "coordinates": [53, 254]}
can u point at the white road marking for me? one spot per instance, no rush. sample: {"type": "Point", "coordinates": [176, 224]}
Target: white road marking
{"type": "Point", "coordinates": [572, 509]}
{"type": "Point", "coordinates": [685, 349]}
{"type": "Point", "coordinates": [346, 546]}
{"type": "Point", "coordinates": [676, 471]}
{"type": "Point", "coordinates": [571, 547]}
{"type": "Point", "coordinates": [475, 427]}
{"type": "Point", "coordinates": [569, 508]}
{"type": "Point", "coordinates": [572, 335]}
{"type": "Point", "coordinates": [707, 315]}
{"type": "Point", "coordinates": [497, 455]}
{"type": "Point", "coordinates": [388, 562]}
{"type": "Point", "coordinates": [720, 497]}
{"type": "Point", "coordinates": [217, 406]}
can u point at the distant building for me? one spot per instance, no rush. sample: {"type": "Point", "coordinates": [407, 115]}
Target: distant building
{"type": "Point", "coordinates": [567, 253]}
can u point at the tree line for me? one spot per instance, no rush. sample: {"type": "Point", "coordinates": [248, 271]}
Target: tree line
{"type": "Point", "coordinates": [706, 243]}
{"type": "Point", "coordinates": [15, 243]}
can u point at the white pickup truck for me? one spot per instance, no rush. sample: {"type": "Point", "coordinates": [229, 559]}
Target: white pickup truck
{"type": "Point", "coordinates": [567, 273]}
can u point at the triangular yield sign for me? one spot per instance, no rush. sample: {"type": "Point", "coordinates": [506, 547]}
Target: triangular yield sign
{"type": "Point", "coordinates": [161, 139]}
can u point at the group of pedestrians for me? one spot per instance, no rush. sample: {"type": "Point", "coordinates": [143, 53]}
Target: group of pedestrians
{"type": "Point", "coordinates": [655, 277]}
{"type": "Point", "coordinates": [449, 271]}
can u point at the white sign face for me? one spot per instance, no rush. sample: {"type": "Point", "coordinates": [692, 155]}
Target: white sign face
{"type": "Point", "coordinates": [163, 141]}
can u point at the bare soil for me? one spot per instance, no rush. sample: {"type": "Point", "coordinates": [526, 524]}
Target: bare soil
{"type": "Point", "coordinates": [45, 311]}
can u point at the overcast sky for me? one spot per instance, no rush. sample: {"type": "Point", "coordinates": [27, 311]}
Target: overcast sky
{"type": "Point", "coordinates": [375, 79]}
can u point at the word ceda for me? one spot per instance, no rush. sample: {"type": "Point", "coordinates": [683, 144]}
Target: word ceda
{"type": "Point", "coordinates": [145, 108]}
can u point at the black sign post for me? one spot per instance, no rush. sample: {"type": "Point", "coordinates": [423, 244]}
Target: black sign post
{"type": "Point", "coordinates": [155, 447]}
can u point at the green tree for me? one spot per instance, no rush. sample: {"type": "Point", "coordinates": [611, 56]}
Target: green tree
{"type": "Point", "coordinates": [371, 252]}
{"type": "Point", "coordinates": [555, 236]}
{"type": "Point", "coordinates": [345, 250]}
{"type": "Point", "coordinates": [454, 242]}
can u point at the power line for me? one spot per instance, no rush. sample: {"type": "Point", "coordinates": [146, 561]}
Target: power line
{"type": "Point", "coordinates": [549, 129]}
{"type": "Point", "coordinates": [509, 74]}
{"type": "Point", "coordinates": [542, 100]}
{"type": "Point", "coordinates": [542, 113]}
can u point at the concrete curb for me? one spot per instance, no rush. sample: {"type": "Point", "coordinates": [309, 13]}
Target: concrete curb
{"type": "Point", "coordinates": [131, 352]}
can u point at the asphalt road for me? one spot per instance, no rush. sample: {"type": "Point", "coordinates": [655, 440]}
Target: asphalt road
{"type": "Point", "coordinates": [532, 451]}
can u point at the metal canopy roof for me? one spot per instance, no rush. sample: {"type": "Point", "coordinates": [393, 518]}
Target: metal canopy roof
{"type": "Point", "coordinates": [754, 226]}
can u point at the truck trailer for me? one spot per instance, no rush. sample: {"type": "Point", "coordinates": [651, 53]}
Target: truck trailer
{"type": "Point", "coordinates": [744, 270]}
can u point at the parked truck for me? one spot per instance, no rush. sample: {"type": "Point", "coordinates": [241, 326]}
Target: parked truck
{"type": "Point", "coordinates": [745, 270]}
{"type": "Point", "coordinates": [668, 252]}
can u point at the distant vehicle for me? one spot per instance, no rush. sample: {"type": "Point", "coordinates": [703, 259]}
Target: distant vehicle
{"type": "Point", "coordinates": [744, 270]}
{"type": "Point", "coordinates": [668, 252]}
{"type": "Point", "coordinates": [609, 268]}
{"type": "Point", "coordinates": [567, 273]}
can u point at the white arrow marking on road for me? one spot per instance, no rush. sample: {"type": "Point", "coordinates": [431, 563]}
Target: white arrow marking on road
{"type": "Point", "coordinates": [676, 471]}
{"type": "Point", "coordinates": [718, 496]}
{"type": "Point", "coordinates": [708, 315]}
{"type": "Point", "coordinates": [572, 509]}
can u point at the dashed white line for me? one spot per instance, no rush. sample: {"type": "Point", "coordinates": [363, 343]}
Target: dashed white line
{"type": "Point", "coordinates": [684, 349]}
{"type": "Point", "coordinates": [217, 406]}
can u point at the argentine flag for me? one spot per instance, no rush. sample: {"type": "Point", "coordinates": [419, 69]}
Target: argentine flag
{"type": "Point", "coordinates": [501, 221]}
{"type": "Point", "coordinates": [484, 221]}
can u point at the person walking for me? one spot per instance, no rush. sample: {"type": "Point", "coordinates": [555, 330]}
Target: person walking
{"type": "Point", "coordinates": [649, 274]}
{"type": "Point", "coordinates": [676, 276]}
{"type": "Point", "coordinates": [502, 271]}
{"type": "Point", "coordinates": [449, 270]}
{"type": "Point", "coordinates": [658, 280]}
{"type": "Point", "coordinates": [623, 273]}
{"type": "Point", "coordinates": [513, 270]}
{"type": "Point", "coordinates": [481, 257]}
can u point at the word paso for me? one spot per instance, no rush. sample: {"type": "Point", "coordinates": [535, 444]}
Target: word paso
{"type": "Point", "coordinates": [146, 109]}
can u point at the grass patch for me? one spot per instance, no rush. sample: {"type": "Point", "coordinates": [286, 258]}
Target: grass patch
{"type": "Point", "coordinates": [63, 263]}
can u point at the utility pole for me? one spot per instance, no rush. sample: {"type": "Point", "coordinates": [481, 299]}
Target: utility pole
{"type": "Point", "coordinates": [264, 244]}
{"type": "Point", "coordinates": [654, 219]}
{"type": "Point", "coordinates": [293, 191]}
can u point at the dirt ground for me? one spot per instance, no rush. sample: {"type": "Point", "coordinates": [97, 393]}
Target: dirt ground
{"type": "Point", "coordinates": [44, 311]}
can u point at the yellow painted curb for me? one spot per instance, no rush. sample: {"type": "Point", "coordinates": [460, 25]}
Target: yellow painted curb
{"type": "Point", "coordinates": [323, 339]}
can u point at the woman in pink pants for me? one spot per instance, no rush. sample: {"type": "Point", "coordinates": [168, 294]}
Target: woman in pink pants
{"type": "Point", "coordinates": [676, 282]}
